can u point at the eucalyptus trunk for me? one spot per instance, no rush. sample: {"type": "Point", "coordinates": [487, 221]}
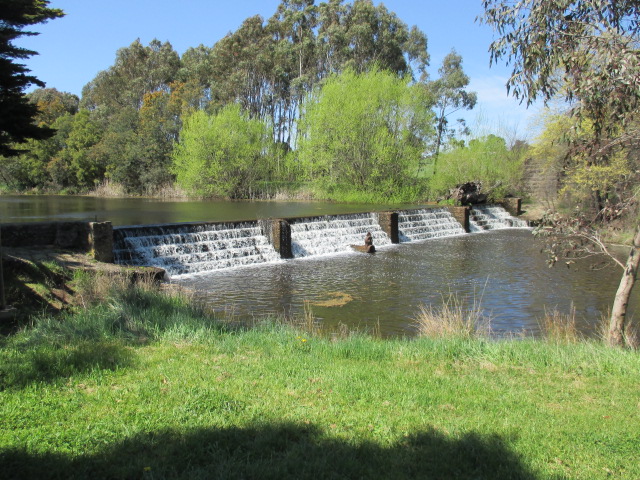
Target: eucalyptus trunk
{"type": "Point", "coordinates": [617, 323]}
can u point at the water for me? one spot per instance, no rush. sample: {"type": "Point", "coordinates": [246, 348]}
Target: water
{"type": "Point", "coordinates": [417, 225]}
{"type": "Point", "coordinates": [187, 249]}
{"type": "Point", "coordinates": [333, 234]}
{"type": "Point", "coordinates": [492, 217]}
{"type": "Point", "coordinates": [147, 211]}
{"type": "Point", "coordinates": [503, 269]}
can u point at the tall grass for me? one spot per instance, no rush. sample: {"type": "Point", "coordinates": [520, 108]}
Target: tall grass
{"type": "Point", "coordinates": [560, 327]}
{"type": "Point", "coordinates": [454, 317]}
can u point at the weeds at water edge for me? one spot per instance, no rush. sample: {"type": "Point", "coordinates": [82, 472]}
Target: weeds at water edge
{"type": "Point", "coordinates": [560, 327]}
{"type": "Point", "coordinates": [453, 318]}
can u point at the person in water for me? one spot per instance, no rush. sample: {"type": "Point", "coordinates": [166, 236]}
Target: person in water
{"type": "Point", "coordinates": [368, 239]}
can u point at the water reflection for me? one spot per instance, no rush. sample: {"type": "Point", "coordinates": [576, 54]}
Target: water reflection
{"type": "Point", "coordinates": [146, 211]}
{"type": "Point", "coordinates": [504, 270]}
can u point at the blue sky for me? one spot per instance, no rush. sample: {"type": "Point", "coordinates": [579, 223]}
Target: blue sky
{"type": "Point", "coordinates": [73, 49]}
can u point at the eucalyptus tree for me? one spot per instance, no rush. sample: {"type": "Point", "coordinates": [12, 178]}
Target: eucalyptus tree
{"type": "Point", "coordinates": [16, 112]}
{"type": "Point", "coordinates": [450, 95]}
{"type": "Point", "coordinates": [135, 88]}
{"type": "Point", "coordinates": [376, 36]}
{"type": "Point", "coordinates": [137, 70]}
{"type": "Point", "coordinates": [587, 52]}
{"type": "Point", "coordinates": [269, 67]}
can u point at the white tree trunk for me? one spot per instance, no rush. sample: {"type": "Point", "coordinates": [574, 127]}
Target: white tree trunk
{"type": "Point", "coordinates": [617, 323]}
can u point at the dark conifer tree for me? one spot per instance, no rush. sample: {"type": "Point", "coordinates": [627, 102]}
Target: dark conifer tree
{"type": "Point", "coordinates": [16, 112]}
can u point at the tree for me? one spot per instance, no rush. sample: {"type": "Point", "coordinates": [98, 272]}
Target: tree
{"type": "Point", "coordinates": [450, 95]}
{"type": "Point", "coordinates": [586, 51]}
{"type": "Point", "coordinates": [485, 160]}
{"type": "Point", "coordinates": [16, 112]}
{"type": "Point", "coordinates": [364, 133]}
{"type": "Point", "coordinates": [221, 155]}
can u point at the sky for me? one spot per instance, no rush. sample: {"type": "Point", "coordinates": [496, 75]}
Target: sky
{"type": "Point", "coordinates": [73, 49]}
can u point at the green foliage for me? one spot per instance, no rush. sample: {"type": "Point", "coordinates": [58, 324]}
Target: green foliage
{"type": "Point", "coordinates": [588, 52]}
{"type": "Point", "coordinates": [364, 131]}
{"type": "Point", "coordinates": [221, 155]}
{"type": "Point", "coordinates": [486, 160]}
{"type": "Point", "coordinates": [80, 158]}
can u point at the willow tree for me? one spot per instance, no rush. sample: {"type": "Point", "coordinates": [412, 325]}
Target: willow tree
{"type": "Point", "coordinates": [221, 155]}
{"type": "Point", "coordinates": [587, 52]}
{"type": "Point", "coordinates": [365, 133]}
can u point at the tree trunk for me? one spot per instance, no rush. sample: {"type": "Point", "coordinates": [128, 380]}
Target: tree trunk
{"type": "Point", "coordinates": [616, 334]}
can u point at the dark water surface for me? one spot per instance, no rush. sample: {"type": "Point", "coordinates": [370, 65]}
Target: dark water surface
{"type": "Point", "coordinates": [147, 211]}
{"type": "Point", "coordinates": [503, 270]}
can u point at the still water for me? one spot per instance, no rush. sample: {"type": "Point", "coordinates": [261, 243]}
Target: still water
{"type": "Point", "coordinates": [502, 270]}
{"type": "Point", "coordinates": [147, 211]}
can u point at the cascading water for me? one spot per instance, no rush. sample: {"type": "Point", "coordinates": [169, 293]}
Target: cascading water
{"type": "Point", "coordinates": [185, 249]}
{"type": "Point", "coordinates": [416, 225]}
{"type": "Point", "coordinates": [492, 217]}
{"type": "Point", "coordinates": [334, 234]}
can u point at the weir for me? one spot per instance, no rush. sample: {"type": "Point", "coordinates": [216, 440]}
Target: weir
{"type": "Point", "coordinates": [416, 225]}
{"type": "Point", "coordinates": [334, 234]}
{"type": "Point", "coordinates": [492, 217]}
{"type": "Point", "coordinates": [187, 248]}
{"type": "Point", "coordinates": [191, 248]}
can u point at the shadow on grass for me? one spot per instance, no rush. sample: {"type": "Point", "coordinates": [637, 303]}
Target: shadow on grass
{"type": "Point", "coordinates": [277, 451]}
{"type": "Point", "coordinates": [49, 364]}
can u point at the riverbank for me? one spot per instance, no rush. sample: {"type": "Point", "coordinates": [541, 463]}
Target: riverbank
{"type": "Point", "coordinates": [144, 385]}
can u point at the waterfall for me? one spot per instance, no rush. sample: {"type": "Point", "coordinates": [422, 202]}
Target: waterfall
{"type": "Point", "coordinates": [185, 249]}
{"type": "Point", "coordinates": [334, 234]}
{"type": "Point", "coordinates": [416, 225]}
{"type": "Point", "coordinates": [492, 217]}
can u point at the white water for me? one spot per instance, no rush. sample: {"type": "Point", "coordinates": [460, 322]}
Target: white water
{"type": "Point", "coordinates": [188, 249]}
{"type": "Point", "coordinates": [335, 234]}
{"type": "Point", "coordinates": [492, 217]}
{"type": "Point", "coordinates": [195, 248]}
{"type": "Point", "coordinates": [416, 225]}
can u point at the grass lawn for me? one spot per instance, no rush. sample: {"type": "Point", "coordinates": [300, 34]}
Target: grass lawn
{"type": "Point", "coordinates": [145, 386]}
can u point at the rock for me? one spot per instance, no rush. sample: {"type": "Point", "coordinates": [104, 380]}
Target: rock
{"type": "Point", "coordinates": [468, 194]}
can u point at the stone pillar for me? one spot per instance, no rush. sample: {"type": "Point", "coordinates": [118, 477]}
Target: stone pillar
{"type": "Point", "coordinates": [461, 214]}
{"type": "Point", "coordinates": [389, 224]}
{"type": "Point", "coordinates": [278, 232]}
{"type": "Point", "coordinates": [512, 205]}
{"type": "Point", "coordinates": [101, 241]}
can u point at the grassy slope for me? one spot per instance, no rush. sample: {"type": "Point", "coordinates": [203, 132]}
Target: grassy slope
{"type": "Point", "coordinates": [145, 387]}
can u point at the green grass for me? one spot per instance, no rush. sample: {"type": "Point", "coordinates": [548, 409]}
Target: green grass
{"type": "Point", "coordinates": [145, 386]}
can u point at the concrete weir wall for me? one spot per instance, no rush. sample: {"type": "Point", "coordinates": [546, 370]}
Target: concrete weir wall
{"type": "Point", "coordinates": [95, 238]}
